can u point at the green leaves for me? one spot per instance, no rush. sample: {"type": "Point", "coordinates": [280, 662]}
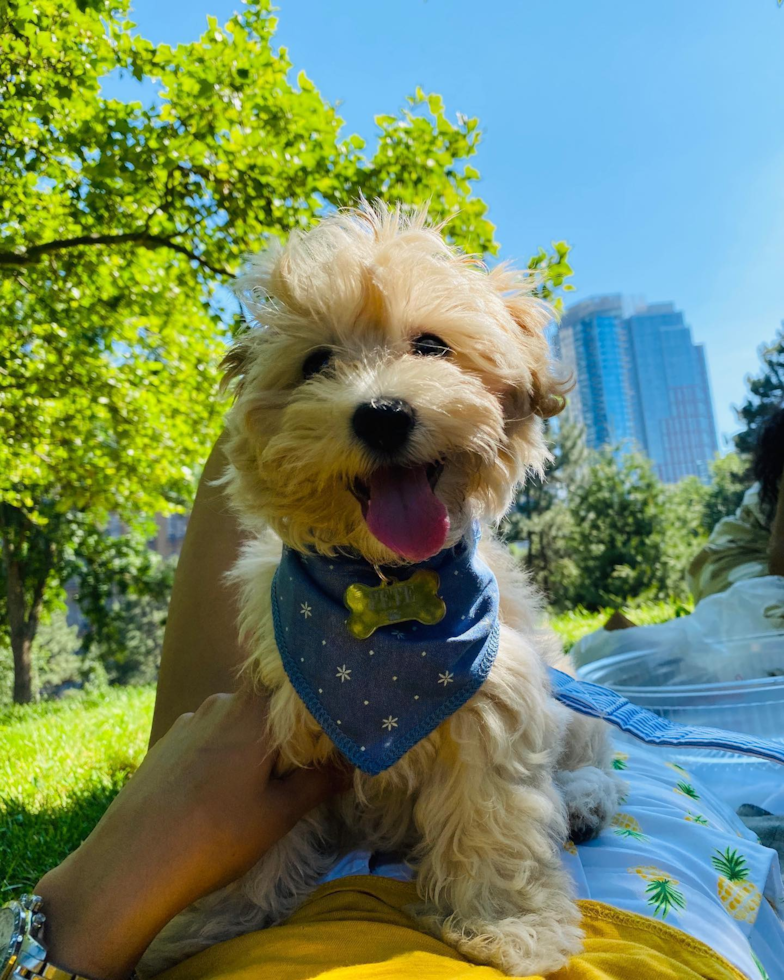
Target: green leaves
{"type": "Point", "coordinates": [553, 270]}
{"type": "Point", "coordinates": [121, 219]}
{"type": "Point", "coordinates": [418, 159]}
{"type": "Point", "coordinates": [604, 531]}
{"type": "Point", "coordinates": [730, 478]}
{"type": "Point", "coordinates": [124, 216]}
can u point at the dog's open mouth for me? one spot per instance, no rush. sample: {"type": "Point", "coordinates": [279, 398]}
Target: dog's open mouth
{"type": "Point", "coordinates": [402, 511]}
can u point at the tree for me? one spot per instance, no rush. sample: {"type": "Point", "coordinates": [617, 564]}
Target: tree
{"type": "Point", "coordinates": [684, 507]}
{"type": "Point", "coordinates": [57, 662]}
{"type": "Point", "coordinates": [538, 524]}
{"type": "Point", "coordinates": [57, 665]}
{"type": "Point", "coordinates": [613, 533]}
{"type": "Point", "coordinates": [617, 535]}
{"type": "Point", "coordinates": [122, 219]}
{"type": "Point", "coordinates": [123, 591]}
{"type": "Point", "coordinates": [730, 478]}
{"type": "Point", "coordinates": [766, 394]}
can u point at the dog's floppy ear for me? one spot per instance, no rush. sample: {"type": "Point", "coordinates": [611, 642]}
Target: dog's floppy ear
{"type": "Point", "coordinates": [546, 394]}
{"type": "Point", "coordinates": [235, 365]}
{"type": "Point", "coordinates": [263, 290]}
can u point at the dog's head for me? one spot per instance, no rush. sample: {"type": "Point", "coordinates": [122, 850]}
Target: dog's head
{"type": "Point", "coordinates": [390, 388]}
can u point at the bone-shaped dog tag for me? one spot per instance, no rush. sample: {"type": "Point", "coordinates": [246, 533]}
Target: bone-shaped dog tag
{"type": "Point", "coordinates": [394, 602]}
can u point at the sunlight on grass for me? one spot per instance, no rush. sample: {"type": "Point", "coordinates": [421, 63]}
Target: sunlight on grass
{"type": "Point", "coordinates": [61, 764]}
{"type": "Point", "coordinates": [573, 625]}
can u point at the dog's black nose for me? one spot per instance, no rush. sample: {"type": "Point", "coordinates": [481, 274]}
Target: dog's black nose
{"type": "Point", "coordinates": [384, 423]}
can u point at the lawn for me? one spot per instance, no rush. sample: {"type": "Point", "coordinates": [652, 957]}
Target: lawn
{"type": "Point", "coordinates": [60, 765]}
{"type": "Point", "coordinates": [576, 623]}
{"type": "Point", "coordinates": [62, 762]}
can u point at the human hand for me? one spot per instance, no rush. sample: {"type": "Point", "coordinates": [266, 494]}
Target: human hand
{"type": "Point", "coordinates": [200, 811]}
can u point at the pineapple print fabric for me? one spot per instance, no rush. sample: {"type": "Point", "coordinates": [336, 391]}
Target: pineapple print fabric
{"type": "Point", "coordinates": [739, 896]}
{"type": "Point", "coordinates": [677, 854]}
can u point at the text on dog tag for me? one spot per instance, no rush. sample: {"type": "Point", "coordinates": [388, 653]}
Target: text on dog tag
{"type": "Point", "coordinates": [394, 602]}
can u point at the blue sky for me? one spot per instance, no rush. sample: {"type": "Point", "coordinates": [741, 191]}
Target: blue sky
{"type": "Point", "coordinates": [649, 134]}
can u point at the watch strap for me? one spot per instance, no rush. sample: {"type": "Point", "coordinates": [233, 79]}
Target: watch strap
{"type": "Point", "coordinates": [32, 962]}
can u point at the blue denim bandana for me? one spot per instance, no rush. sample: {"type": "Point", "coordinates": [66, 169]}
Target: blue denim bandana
{"type": "Point", "coordinates": [376, 698]}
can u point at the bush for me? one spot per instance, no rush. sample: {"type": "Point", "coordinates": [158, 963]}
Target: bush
{"type": "Point", "coordinates": [730, 478]}
{"type": "Point", "coordinates": [612, 533]}
{"type": "Point", "coordinates": [123, 590]}
{"type": "Point", "coordinates": [57, 665]}
{"type": "Point", "coordinates": [684, 534]}
{"type": "Point", "coordinates": [130, 648]}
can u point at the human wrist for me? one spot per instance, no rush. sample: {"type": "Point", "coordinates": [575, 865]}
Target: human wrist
{"type": "Point", "coordinates": [112, 896]}
{"type": "Point", "coordinates": [101, 914]}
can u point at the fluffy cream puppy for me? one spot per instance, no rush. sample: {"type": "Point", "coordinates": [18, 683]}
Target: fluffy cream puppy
{"type": "Point", "coordinates": [389, 394]}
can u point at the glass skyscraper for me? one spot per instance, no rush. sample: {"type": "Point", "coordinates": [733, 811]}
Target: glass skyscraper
{"type": "Point", "coordinates": [594, 346]}
{"type": "Point", "coordinates": [640, 381]}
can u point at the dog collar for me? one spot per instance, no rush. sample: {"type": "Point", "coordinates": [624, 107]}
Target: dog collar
{"type": "Point", "coordinates": [377, 697]}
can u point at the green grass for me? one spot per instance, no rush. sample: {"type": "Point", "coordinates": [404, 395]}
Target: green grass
{"type": "Point", "coordinates": [61, 763]}
{"type": "Point", "coordinates": [573, 625]}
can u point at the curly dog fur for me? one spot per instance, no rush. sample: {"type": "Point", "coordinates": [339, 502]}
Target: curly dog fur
{"type": "Point", "coordinates": [483, 805]}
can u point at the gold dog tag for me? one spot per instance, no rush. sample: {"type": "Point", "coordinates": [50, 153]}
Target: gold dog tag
{"type": "Point", "coordinates": [394, 602]}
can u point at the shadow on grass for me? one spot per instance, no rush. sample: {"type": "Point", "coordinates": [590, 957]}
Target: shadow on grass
{"type": "Point", "coordinates": [34, 841]}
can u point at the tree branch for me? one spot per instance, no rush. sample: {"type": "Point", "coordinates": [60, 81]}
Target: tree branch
{"type": "Point", "coordinates": [140, 237]}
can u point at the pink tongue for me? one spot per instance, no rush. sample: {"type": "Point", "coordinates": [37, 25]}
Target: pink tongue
{"type": "Point", "coordinates": [404, 513]}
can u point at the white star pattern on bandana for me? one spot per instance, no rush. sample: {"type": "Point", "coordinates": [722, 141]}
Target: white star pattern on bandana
{"type": "Point", "coordinates": [404, 681]}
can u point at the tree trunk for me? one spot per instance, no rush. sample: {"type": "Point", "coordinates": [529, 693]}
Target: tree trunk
{"type": "Point", "coordinates": [23, 671]}
{"type": "Point", "coordinates": [21, 640]}
{"type": "Point", "coordinates": [28, 559]}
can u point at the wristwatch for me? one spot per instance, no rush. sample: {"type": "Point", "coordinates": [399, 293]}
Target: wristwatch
{"type": "Point", "coordinates": [22, 953]}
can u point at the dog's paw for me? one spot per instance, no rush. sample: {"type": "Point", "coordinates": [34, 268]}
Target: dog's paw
{"type": "Point", "coordinates": [524, 946]}
{"type": "Point", "coordinates": [591, 796]}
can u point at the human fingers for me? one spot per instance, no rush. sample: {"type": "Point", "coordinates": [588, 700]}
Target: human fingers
{"type": "Point", "coordinates": [298, 792]}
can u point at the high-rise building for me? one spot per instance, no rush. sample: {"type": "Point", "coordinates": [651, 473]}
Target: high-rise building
{"type": "Point", "coordinates": [593, 344]}
{"type": "Point", "coordinates": [672, 391]}
{"type": "Point", "coordinates": [639, 380]}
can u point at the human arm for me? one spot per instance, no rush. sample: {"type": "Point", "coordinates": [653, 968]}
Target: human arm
{"type": "Point", "coordinates": [200, 811]}
{"type": "Point", "coordinates": [777, 534]}
{"type": "Point", "coordinates": [201, 653]}
{"type": "Point", "coordinates": [738, 548]}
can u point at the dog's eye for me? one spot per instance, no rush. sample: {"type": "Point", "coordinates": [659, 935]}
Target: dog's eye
{"type": "Point", "coordinates": [316, 361]}
{"type": "Point", "coordinates": [428, 345]}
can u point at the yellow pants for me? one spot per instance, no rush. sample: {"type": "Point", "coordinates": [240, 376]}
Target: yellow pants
{"type": "Point", "coordinates": [355, 929]}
